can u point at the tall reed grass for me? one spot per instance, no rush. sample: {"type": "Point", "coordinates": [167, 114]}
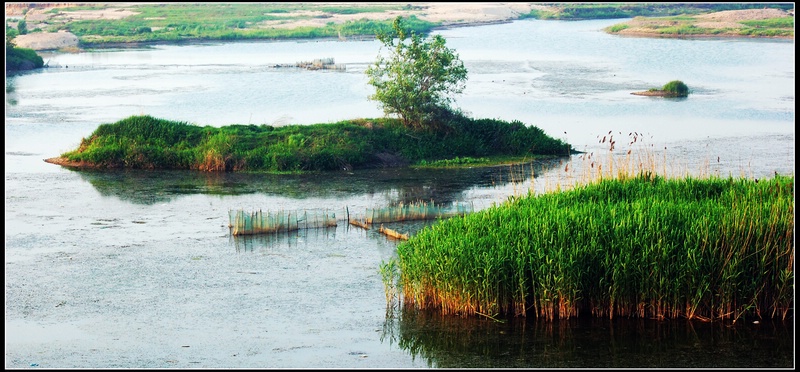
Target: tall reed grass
{"type": "Point", "coordinates": [627, 238]}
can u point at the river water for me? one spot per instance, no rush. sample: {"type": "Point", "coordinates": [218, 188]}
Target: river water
{"type": "Point", "coordinates": [137, 269]}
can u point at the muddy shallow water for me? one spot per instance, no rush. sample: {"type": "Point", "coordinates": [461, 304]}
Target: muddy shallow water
{"type": "Point", "coordinates": [138, 269]}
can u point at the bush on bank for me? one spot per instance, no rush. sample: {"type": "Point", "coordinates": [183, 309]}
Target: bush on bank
{"type": "Point", "coordinates": [20, 59]}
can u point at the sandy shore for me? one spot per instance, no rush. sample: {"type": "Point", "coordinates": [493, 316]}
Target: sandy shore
{"type": "Point", "coordinates": [450, 14]}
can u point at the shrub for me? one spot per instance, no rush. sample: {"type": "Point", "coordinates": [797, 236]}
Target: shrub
{"type": "Point", "coordinates": [677, 88]}
{"type": "Point", "coordinates": [22, 59]}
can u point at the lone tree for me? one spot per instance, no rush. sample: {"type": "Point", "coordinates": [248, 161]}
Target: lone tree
{"type": "Point", "coordinates": [418, 79]}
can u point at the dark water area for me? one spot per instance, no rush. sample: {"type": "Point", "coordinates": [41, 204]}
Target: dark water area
{"type": "Point", "coordinates": [589, 343]}
{"type": "Point", "coordinates": [406, 185]}
{"type": "Point", "coordinates": [139, 269]}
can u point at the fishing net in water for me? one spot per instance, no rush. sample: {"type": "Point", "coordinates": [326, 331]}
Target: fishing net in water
{"type": "Point", "coordinates": [415, 211]}
{"type": "Point", "coordinates": [260, 222]}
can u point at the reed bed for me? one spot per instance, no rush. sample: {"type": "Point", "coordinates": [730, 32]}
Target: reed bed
{"type": "Point", "coordinates": [621, 240]}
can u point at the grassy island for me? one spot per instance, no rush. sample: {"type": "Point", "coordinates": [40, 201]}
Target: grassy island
{"type": "Point", "coordinates": [145, 142]}
{"type": "Point", "coordinates": [673, 89]}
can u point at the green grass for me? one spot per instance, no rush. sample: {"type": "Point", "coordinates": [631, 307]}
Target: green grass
{"type": "Point", "coordinates": [144, 142]}
{"type": "Point", "coordinates": [643, 246]}
{"type": "Point", "coordinates": [582, 11]}
{"type": "Point", "coordinates": [22, 58]}
{"type": "Point", "coordinates": [676, 88]}
{"type": "Point", "coordinates": [684, 25]}
{"type": "Point", "coordinates": [218, 21]}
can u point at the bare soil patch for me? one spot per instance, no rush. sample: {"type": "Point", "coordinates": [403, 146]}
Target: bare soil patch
{"type": "Point", "coordinates": [47, 40]}
{"type": "Point", "coordinates": [450, 14]}
{"type": "Point", "coordinates": [731, 19]}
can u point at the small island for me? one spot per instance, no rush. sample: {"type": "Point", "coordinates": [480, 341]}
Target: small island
{"type": "Point", "coordinates": [673, 89]}
{"type": "Point", "coordinates": [146, 142]}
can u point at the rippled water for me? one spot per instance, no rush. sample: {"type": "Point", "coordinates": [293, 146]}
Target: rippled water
{"type": "Point", "coordinates": [137, 269]}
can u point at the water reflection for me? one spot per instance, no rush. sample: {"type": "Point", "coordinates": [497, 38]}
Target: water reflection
{"type": "Point", "coordinates": [454, 342]}
{"type": "Point", "coordinates": [11, 97]}
{"type": "Point", "coordinates": [398, 185]}
{"type": "Point", "coordinates": [262, 243]}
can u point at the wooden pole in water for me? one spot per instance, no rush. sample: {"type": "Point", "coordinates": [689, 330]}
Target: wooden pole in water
{"type": "Point", "coordinates": [392, 233]}
{"type": "Point", "coordinates": [360, 224]}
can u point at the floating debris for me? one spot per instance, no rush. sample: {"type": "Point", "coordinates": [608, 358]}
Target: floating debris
{"type": "Point", "coordinates": [392, 233]}
{"type": "Point", "coordinates": [317, 64]}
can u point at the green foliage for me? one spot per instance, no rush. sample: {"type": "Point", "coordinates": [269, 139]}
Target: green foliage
{"type": "Point", "coordinates": [644, 246]}
{"type": "Point", "coordinates": [676, 88]}
{"type": "Point", "coordinates": [147, 142]}
{"type": "Point", "coordinates": [11, 33]}
{"type": "Point", "coordinates": [618, 27]}
{"type": "Point", "coordinates": [219, 21]}
{"type": "Point", "coordinates": [454, 162]}
{"type": "Point", "coordinates": [684, 25]}
{"type": "Point", "coordinates": [22, 27]}
{"type": "Point", "coordinates": [582, 11]}
{"type": "Point", "coordinates": [784, 22]}
{"type": "Point", "coordinates": [22, 58]}
{"type": "Point", "coordinates": [418, 78]}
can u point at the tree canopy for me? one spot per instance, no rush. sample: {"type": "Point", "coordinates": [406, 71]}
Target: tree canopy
{"type": "Point", "coordinates": [419, 77]}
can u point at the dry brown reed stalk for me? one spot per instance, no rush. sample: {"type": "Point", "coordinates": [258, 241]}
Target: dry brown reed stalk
{"type": "Point", "coordinates": [213, 162]}
{"type": "Point", "coordinates": [620, 161]}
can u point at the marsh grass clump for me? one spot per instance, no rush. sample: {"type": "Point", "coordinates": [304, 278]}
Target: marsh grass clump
{"type": "Point", "coordinates": [646, 246]}
{"type": "Point", "coordinates": [676, 88]}
{"type": "Point", "coordinates": [621, 233]}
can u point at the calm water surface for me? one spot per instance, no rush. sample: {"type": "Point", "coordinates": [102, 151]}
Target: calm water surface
{"type": "Point", "coordinates": [136, 269]}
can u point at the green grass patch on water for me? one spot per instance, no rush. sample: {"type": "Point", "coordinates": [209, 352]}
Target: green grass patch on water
{"type": "Point", "coordinates": [145, 142]}
{"type": "Point", "coordinates": [643, 246]}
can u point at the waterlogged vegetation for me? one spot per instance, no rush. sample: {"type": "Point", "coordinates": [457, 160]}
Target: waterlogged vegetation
{"type": "Point", "coordinates": [145, 142]}
{"type": "Point", "coordinates": [642, 246]}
